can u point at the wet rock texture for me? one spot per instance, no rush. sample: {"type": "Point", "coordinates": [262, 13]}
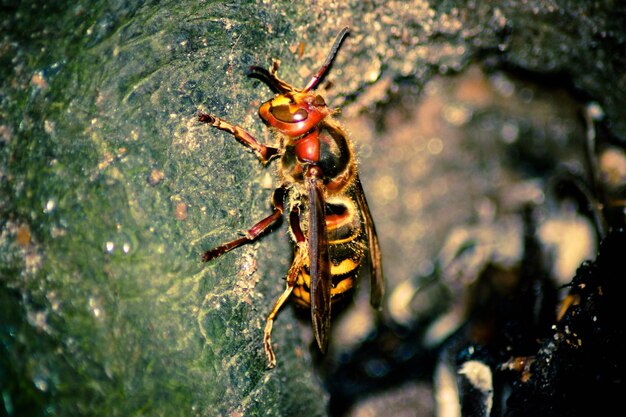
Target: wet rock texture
{"type": "Point", "coordinates": [472, 122]}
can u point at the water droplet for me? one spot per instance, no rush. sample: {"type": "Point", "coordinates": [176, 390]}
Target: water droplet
{"type": "Point", "coordinates": [40, 383]}
{"type": "Point", "coordinates": [51, 204]}
{"type": "Point", "coordinates": [95, 307]}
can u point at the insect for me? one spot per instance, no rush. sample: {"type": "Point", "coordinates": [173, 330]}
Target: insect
{"type": "Point", "coordinates": [320, 195]}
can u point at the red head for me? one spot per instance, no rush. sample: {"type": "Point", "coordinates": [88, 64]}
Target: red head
{"type": "Point", "coordinates": [295, 112]}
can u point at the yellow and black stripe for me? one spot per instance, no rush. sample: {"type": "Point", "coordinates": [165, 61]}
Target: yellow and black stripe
{"type": "Point", "coordinates": [346, 246]}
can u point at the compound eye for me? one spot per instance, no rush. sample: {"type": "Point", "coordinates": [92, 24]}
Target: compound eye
{"type": "Point", "coordinates": [284, 114]}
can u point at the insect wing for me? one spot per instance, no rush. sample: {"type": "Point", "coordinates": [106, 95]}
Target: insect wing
{"type": "Point", "coordinates": [377, 281]}
{"type": "Point", "coordinates": [319, 263]}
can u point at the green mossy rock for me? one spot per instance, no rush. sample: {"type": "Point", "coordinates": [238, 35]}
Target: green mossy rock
{"type": "Point", "coordinates": [111, 189]}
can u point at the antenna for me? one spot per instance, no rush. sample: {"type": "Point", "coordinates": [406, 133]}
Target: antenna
{"type": "Point", "coordinates": [329, 59]}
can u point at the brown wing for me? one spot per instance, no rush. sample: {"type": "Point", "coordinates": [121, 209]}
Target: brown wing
{"type": "Point", "coordinates": [319, 260]}
{"type": "Point", "coordinates": [377, 280]}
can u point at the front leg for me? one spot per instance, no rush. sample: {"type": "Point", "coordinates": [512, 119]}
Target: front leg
{"type": "Point", "coordinates": [255, 231]}
{"type": "Point", "coordinates": [264, 153]}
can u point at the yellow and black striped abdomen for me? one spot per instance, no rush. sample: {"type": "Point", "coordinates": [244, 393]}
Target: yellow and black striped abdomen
{"type": "Point", "coordinates": [346, 247]}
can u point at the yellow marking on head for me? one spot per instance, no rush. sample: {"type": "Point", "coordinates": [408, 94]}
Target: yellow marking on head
{"type": "Point", "coordinates": [280, 100]}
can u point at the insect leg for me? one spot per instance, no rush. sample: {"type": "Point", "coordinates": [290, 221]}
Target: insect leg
{"type": "Point", "coordinates": [298, 263]}
{"type": "Point", "coordinates": [292, 275]}
{"type": "Point", "coordinates": [255, 231]}
{"type": "Point", "coordinates": [263, 152]}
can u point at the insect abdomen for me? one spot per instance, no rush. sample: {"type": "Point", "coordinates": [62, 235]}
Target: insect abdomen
{"type": "Point", "coordinates": [346, 247]}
